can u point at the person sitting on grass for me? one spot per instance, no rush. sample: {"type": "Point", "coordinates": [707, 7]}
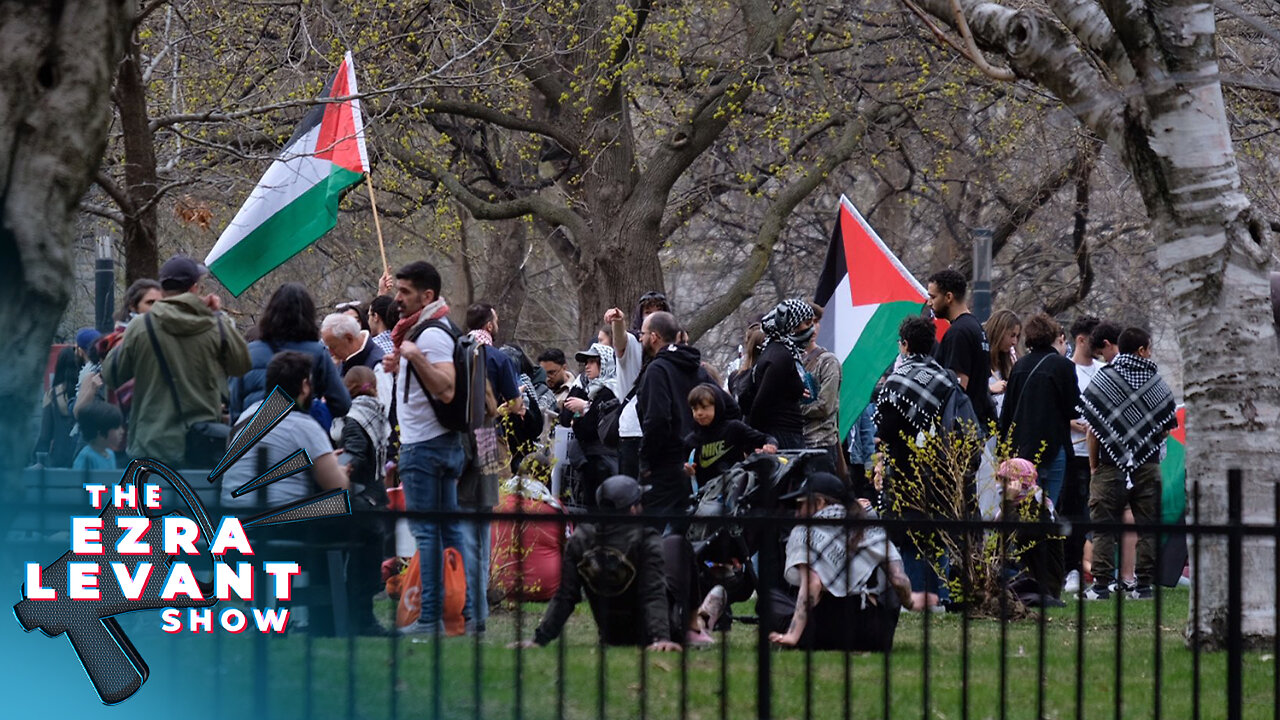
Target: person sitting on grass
{"type": "Point", "coordinates": [719, 443]}
{"type": "Point", "coordinates": [623, 569]}
{"type": "Point", "coordinates": [851, 585]}
{"type": "Point", "coordinates": [1040, 554]}
{"type": "Point", "coordinates": [102, 427]}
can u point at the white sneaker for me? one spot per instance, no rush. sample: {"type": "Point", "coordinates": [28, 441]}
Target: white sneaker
{"type": "Point", "coordinates": [1072, 583]}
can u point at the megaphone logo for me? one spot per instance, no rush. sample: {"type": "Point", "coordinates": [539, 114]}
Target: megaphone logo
{"type": "Point", "coordinates": [114, 665]}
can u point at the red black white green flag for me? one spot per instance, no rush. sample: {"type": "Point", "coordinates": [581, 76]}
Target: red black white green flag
{"type": "Point", "coordinates": [865, 292]}
{"type": "Point", "coordinates": [296, 201]}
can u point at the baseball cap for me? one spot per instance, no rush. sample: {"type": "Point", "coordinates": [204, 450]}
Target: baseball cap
{"type": "Point", "coordinates": [590, 352]}
{"type": "Point", "coordinates": [181, 272]}
{"type": "Point", "coordinates": [86, 337]}
{"type": "Point", "coordinates": [819, 483]}
{"type": "Point", "coordinates": [619, 493]}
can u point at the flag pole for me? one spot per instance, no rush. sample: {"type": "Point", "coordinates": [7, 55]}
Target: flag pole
{"type": "Point", "coordinates": [377, 224]}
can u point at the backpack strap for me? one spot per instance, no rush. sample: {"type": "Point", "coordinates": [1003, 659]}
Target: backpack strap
{"type": "Point", "coordinates": [1023, 390]}
{"type": "Point", "coordinates": [414, 335]}
{"type": "Point", "coordinates": [164, 366]}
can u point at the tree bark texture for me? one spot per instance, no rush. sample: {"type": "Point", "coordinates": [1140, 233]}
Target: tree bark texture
{"type": "Point", "coordinates": [141, 181]}
{"type": "Point", "coordinates": [1144, 78]}
{"type": "Point", "coordinates": [59, 61]}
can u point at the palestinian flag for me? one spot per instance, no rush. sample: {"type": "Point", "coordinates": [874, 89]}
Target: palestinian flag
{"type": "Point", "coordinates": [296, 201]}
{"type": "Point", "coordinates": [1173, 472]}
{"type": "Point", "coordinates": [865, 292]}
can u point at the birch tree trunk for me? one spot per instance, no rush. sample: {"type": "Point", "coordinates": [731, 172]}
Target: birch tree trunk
{"type": "Point", "coordinates": [1143, 76]}
{"type": "Point", "coordinates": [59, 60]}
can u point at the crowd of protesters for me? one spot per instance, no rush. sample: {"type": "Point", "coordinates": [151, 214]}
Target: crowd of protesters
{"type": "Point", "coordinates": [399, 393]}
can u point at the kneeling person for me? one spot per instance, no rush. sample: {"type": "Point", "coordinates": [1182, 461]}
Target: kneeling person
{"type": "Point", "coordinates": [621, 568]}
{"type": "Point", "coordinates": [850, 580]}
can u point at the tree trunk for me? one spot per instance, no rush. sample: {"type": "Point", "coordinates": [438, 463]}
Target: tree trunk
{"type": "Point", "coordinates": [59, 62]}
{"type": "Point", "coordinates": [623, 265]}
{"type": "Point", "coordinates": [502, 283]}
{"type": "Point", "coordinates": [1213, 254]}
{"type": "Point", "coordinates": [141, 253]}
{"type": "Point", "coordinates": [1215, 262]}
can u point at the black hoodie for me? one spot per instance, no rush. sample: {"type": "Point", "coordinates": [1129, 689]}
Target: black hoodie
{"type": "Point", "coordinates": [663, 406]}
{"type": "Point", "coordinates": [723, 443]}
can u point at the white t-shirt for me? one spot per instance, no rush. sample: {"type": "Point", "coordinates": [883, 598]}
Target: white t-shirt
{"type": "Point", "coordinates": [628, 370]}
{"type": "Point", "coordinates": [1084, 376]}
{"type": "Point", "coordinates": [297, 430]}
{"type": "Point", "coordinates": [418, 421]}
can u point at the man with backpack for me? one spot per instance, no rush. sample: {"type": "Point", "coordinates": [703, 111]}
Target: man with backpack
{"type": "Point", "coordinates": [917, 399]}
{"type": "Point", "coordinates": [431, 396]}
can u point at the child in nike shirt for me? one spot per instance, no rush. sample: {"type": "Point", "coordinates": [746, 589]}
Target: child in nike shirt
{"type": "Point", "coordinates": [717, 443]}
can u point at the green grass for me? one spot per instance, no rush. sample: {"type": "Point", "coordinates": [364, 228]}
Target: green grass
{"type": "Point", "coordinates": [665, 684]}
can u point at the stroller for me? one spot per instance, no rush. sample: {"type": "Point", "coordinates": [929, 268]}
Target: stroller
{"type": "Point", "coordinates": [723, 551]}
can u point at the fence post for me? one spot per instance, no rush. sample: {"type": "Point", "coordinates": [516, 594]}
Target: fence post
{"type": "Point", "coordinates": [1235, 595]}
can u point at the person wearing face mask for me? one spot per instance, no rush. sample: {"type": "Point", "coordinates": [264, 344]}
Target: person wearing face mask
{"type": "Point", "coordinates": [779, 383]}
{"type": "Point", "coordinates": [289, 370]}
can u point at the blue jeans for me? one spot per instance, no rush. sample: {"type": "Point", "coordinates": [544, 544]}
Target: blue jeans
{"type": "Point", "coordinates": [923, 575]}
{"type": "Point", "coordinates": [476, 548]}
{"type": "Point", "coordinates": [1052, 474]}
{"type": "Point", "coordinates": [429, 472]}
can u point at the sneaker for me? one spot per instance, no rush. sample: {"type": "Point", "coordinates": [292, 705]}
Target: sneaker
{"type": "Point", "coordinates": [421, 628]}
{"type": "Point", "coordinates": [1097, 591]}
{"type": "Point", "coordinates": [1141, 592]}
{"type": "Point", "coordinates": [474, 629]}
{"type": "Point", "coordinates": [712, 607]}
{"type": "Point", "coordinates": [1071, 585]}
{"type": "Point", "coordinates": [1124, 586]}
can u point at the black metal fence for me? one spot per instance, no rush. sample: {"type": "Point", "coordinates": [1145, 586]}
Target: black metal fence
{"type": "Point", "coordinates": [1121, 657]}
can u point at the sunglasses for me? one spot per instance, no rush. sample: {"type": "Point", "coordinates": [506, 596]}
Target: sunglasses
{"type": "Point", "coordinates": [348, 305]}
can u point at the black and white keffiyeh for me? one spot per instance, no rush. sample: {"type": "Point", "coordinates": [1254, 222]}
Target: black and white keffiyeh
{"type": "Point", "coordinates": [917, 388]}
{"type": "Point", "coordinates": [1129, 407]}
{"type": "Point", "coordinates": [781, 323]}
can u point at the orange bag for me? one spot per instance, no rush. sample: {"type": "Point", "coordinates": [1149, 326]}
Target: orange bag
{"type": "Point", "coordinates": [455, 593]}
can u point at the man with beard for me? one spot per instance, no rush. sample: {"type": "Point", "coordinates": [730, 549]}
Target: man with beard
{"type": "Point", "coordinates": [663, 409]}
{"type": "Point", "coordinates": [964, 349]}
{"type": "Point", "coordinates": [291, 372]}
{"type": "Point", "coordinates": [559, 379]}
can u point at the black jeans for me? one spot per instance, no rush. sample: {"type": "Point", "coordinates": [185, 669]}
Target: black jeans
{"type": "Point", "coordinates": [1073, 505]}
{"type": "Point", "coordinates": [629, 457]}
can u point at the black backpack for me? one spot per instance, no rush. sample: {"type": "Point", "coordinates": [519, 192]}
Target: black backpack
{"type": "Point", "coordinates": [958, 414]}
{"type": "Point", "coordinates": [457, 414]}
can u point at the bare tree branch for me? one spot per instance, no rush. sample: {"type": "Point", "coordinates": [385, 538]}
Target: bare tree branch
{"type": "Point", "coordinates": [771, 225]}
{"type": "Point", "coordinates": [103, 212]}
{"type": "Point", "coordinates": [1042, 193]}
{"type": "Point", "coordinates": [114, 191]}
